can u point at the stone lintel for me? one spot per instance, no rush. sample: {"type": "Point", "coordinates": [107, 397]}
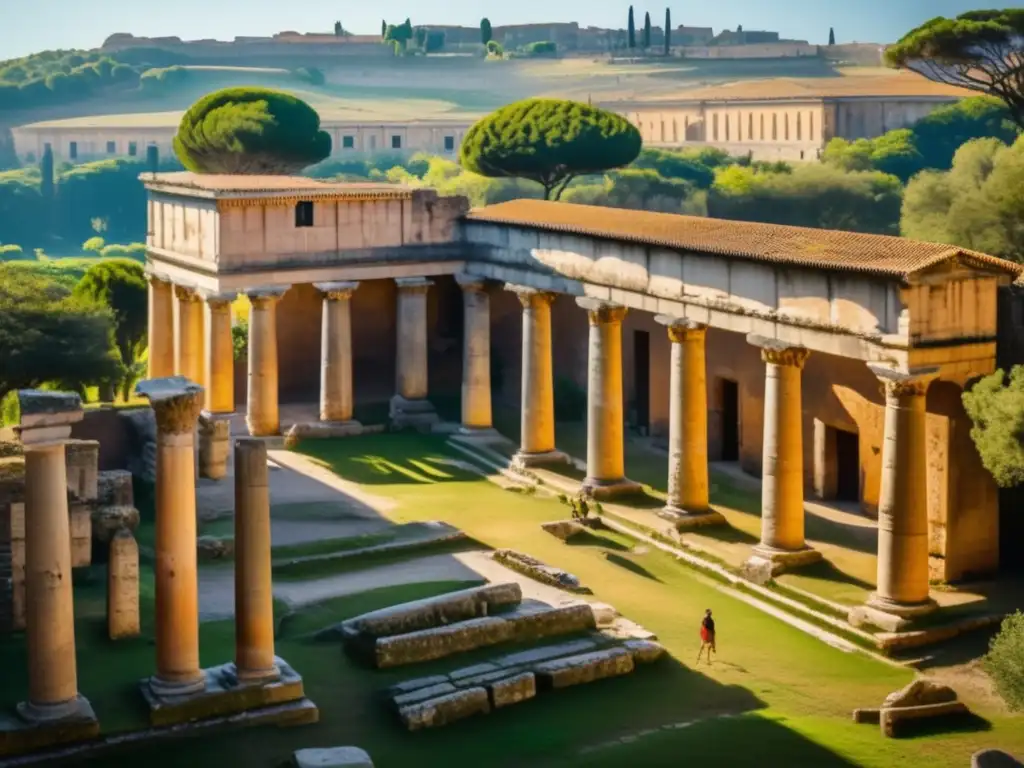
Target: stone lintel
{"type": "Point", "coordinates": [223, 695]}
{"type": "Point", "coordinates": [470, 282]}
{"type": "Point", "coordinates": [18, 735]}
{"type": "Point", "coordinates": [339, 290]}
{"type": "Point", "coordinates": [413, 284]}
{"type": "Point", "coordinates": [685, 324]}
{"type": "Point", "coordinates": [48, 409]}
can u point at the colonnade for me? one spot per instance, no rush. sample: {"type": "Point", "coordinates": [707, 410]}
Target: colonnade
{"type": "Point", "coordinates": [903, 553]}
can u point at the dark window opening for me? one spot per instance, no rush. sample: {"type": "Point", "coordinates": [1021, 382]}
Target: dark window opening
{"type": "Point", "coordinates": [449, 143]}
{"type": "Point", "coordinates": [304, 213]}
{"type": "Point", "coordinates": [133, 148]}
{"type": "Point", "coordinates": [396, 142]}
{"type": "Point", "coordinates": [348, 142]}
{"type": "Point", "coordinates": [73, 150]}
{"type": "Point", "coordinates": [730, 420]}
{"type": "Point", "coordinates": [111, 147]}
{"type": "Point", "coordinates": [847, 466]}
{"type": "Point", "coordinates": [642, 379]}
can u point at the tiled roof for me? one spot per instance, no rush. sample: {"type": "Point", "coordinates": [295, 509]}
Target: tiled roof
{"type": "Point", "coordinates": [242, 184]}
{"type": "Point", "coordinates": [799, 246]}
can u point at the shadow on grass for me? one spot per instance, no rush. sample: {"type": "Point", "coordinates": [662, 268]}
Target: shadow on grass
{"type": "Point", "coordinates": [968, 722]}
{"type": "Point", "coordinates": [590, 539]}
{"type": "Point", "coordinates": [727, 534]}
{"type": "Point", "coordinates": [825, 570]}
{"type": "Point", "coordinates": [857, 538]}
{"type": "Point", "coordinates": [962, 649]}
{"type": "Point", "coordinates": [629, 565]}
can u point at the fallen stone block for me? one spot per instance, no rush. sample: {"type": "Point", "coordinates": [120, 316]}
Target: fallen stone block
{"type": "Point", "coordinates": [644, 651]}
{"type": "Point", "coordinates": [604, 614]}
{"type": "Point", "coordinates": [535, 569]}
{"type": "Point", "coordinates": [871, 716]}
{"type": "Point", "coordinates": [445, 709]}
{"type": "Point", "coordinates": [114, 488]}
{"type": "Point", "coordinates": [563, 620]}
{"type": "Point", "coordinates": [562, 529]}
{"type": "Point", "coordinates": [108, 520]}
{"type": "Point", "coordinates": [214, 547]}
{"type": "Point", "coordinates": [892, 720]}
{"type": "Point", "coordinates": [422, 694]}
{"type": "Point", "coordinates": [586, 668]}
{"type": "Point", "coordinates": [624, 629]}
{"type": "Point", "coordinates": [546, 653]}
{"type": "Point", "coordinates": [435, 611]}
{"type": "Point", "coordinates": [439, 642]}
{"type": "Point", "coordinates": [332, 757]}
{"type": "Point", "coordinates": [512, 690]}
{"type": "Point", "coordinates": [918, 693]}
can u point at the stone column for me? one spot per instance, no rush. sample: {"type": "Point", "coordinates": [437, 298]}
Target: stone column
{"type": "Point", "coordinates": [336, 400]}
{"type": "Point", "coordinates": [688, 491]}
{"type": "Point", "coordinates": [902, 588]}
{"type": "Point", "coordinates": [782, 481]}
{"type": "Point", "coordinates": [123, 586]}
{"type": "Point", "coordinates": [161, 328]}
{"type": "Point", "coordinates": [177, 403]}
{"type": "Point", "coordinates": [220, 355]}
{"type": "Point", "coordinates": [262, 415]}
{"type": "Point", "coordinates": [606, 473]}
{"type": "Point", "coordinates": [254, 599]}
{"type": "Point", "coordinates": [189, 358]}
{"type": "Point", "coordinates": [537, 411]}
{"type": "Point", "coordinates": [476, 356]}
{"type": "Point", "coordinates": [46, 419]}
{"type": "Point", "coordinates": [409, 406]}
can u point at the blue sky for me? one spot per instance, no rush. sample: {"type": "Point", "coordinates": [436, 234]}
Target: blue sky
{"type": "Point", "coordinates": [26, 27]}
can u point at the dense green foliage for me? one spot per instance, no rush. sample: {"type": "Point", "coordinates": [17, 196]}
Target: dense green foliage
{"type": "Point", "coordinates": [978, 203]}
{"type": "Point", "coordinates": [647, 31]}
{"type": "Point", "coordinates": [486, 33]}
{"type": "Point", "coordinates": [929, 143]}
{"type": "Point", "coordinates": [250, 131]}
{"type": "Point", "coordinates": [120, 285]}
{"type": "Point", "coordinates": [979, 50]}
{"type": "Point", "coordinates": [49, 335]}
{"type": "Point", "coordinates": [399, 35]}
{"type": "Point", "coordinates": [1005, 661]}
{"type": "Point", "coordinates": [495, 50]}
{"type": "Point", "coordinates": [550, 142]}
{"type": "Point", "coordinates": [995, 406]}
{"type": "Point", "coordinates": [639, 189]}
{"type": "Point", "coordinates": [631, 29]}
{"type": "Point", "coordinates": [540, 48]}
{"type": "Point", "coordinates": [53, 77]}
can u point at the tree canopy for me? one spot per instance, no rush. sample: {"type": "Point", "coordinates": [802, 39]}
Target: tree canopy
{"type": "Point", "coordinates": [1003, 661]}
{"type": "Point", "coordinates": [631, 29]}
{"type": "Point", "coordinates": [647, 30]}
{"type": "Point", "coordinates": [120, 284]}
{"type": "Point", "coordinates": [250, 131]}
{"type": "Point", "coordinates": [549, 141]}
{"type": "Point", "coordinates": [979, 50]}
{"type": "Point", "coordinates": [485, 31]}
{"type": "Point", "coordinates": [995, 407]}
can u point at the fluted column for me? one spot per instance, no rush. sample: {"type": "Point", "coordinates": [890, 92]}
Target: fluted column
{"type": "Point", "coordinates": [46, 419]}
{"type": "Point", "coordinates": [782, 478]}
{"type": "Point", "coordinates": [254, 599]}
{"type": "Point", "coordinates": [476, 355]}
{"type": "Point", "coordinates": [606, 473]}
{"type": "Point", "coordinates": [220, 355]}
{"type": "Point", "coordinates": [336, 352]}
{"type": "Point", "coordinates": [903, 498]}
{"type": "Point", "coordinates": [688, 488]}
{"type": "Point", "coordinates": [161, 327]}
{"type": "Point", "coordinates": [537, 411]}
{"type": "Point", "coordinates": [177, 403]}
{"type": "Point", "coordinates": [409, 406]}
{"type": "Point", "coordinates": [262, 409]}
{"type": "Point", "coordinates": [189, 357]}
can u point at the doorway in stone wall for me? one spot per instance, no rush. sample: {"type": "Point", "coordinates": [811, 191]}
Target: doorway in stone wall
{"type": "Point", "coordinates": [642, 380]}
{"type": "Point", "coordinates": [847, 465]}
{"type": "Point", "coordinates": [730, 399]}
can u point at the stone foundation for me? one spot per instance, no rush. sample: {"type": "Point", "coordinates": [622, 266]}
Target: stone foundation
{"type": "Point", "coordinates": [412, 414]}
{"type": "Point", "coordinates": [18, 736]}
{"type": "Point", "coordinates": [687, 521]}
{"type": "Point", "coordinates": [766, 562]}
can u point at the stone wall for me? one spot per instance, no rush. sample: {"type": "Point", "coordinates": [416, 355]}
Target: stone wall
{"type": "Point", "coordinates": [107, 426]}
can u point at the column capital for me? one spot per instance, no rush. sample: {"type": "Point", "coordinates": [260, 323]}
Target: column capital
{"type": "Point", "coordinates": [530, 297]}
{"type": "Point", "coordinates": [337, 291]}
{"type": "Point", "coordinates": [681, 330]}
{"type": "Point", "coordinates": [471, 283]}
{"type": "Point", "coordinates": [46, 418]}
{"type": "Point", "coordinates": [777, 352]}
{"type": "Point", "coordinates": [154, 277]}
{"type": "Point", "coordinates": [185, 293]}
{"type": "Point", "coordinates": [261, 298]}
{"type": "Point", "coordinates": [601, 312]}
{"type": "Point", "coordinates": [217, 300]}
{"type": "Point", "coordinates": [897, 383]}
{"type": "Point", "coordinates": [176, 401]}
{"type": "Point", "coordinates": [413, 284]}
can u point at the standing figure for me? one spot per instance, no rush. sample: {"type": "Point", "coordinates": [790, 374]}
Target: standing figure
{"type": "Point", "coordinates": [707, 636]}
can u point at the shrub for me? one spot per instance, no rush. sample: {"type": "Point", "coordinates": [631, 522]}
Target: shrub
{"type": "Point", "coordinates": [1005, 661]}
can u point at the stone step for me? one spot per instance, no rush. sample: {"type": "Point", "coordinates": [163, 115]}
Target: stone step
{"type": "Point", "coordinates": [445, 709]}
{"type": "Point", "coordinates": [586, 668]}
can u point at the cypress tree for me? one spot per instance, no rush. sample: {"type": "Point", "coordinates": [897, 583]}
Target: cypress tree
{"type": "Point", "coordinates": [383, 29]}
{"type": "Point", "coordinates": [46, 172]}
{"type": "Point", "coordinates": [647, 30]}
{"type": "Point", "coordinates": [668, 31]}
{"type": "Point", "coordinates": [831, 36]}
{"type": "Point", "coordinates": [631, 29]}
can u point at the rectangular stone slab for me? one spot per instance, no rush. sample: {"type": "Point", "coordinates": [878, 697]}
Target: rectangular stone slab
{"type": "Point", "coordinates": [430, 692]}
{"type": "Point", "coordinates": [546, 653]}
{"type": "Point", "coordinates": [563, 620]}
{"type": "Point", "coordinates": [586, 668]}
{"type": "Point", "coordinates": [891, 720]}
{"type": "Point", "coordinates": [445, 709]}
{"type": "Point", "coordinates": [512, 690]}
{"type": "Point", "coordinates": [439, 642]}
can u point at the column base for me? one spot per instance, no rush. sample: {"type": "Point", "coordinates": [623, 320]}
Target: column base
{"type": "Point", "coordinates": [483, 434]}
{"type": "Point", "coordinates": [523, 460]}
{"type": "Point", "coordinates": [223, 693]}
{"type": "Point", "coordinates": [214, 445]}
{"type": "Point", "coordinates": [36, 727]}
{"type": "Point", "coordinates": [610, 489]}
{"type": "Point", "coordinates": [172, 688]}
{"type": "Point", "coordinates": [318, 430]}
{"type": "Point", "coordinates": [908, 611]}
{"type": "Point", "coordinates": [262, 428]}
{"type": "Point", "coordinates": [412, 414]}
{"type": "Point", "coordinates": [767, 562]}
{"type": "Point", "coordinates": [685, 520]}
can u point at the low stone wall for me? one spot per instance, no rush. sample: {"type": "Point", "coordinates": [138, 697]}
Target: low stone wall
{"type": "Point", "coordinates": [107, 426]}
{"type": "Point", "coordinates": [545, 574]}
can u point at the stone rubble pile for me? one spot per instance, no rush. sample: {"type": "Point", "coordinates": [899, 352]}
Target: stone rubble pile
{"type": "Point", "coordinates": [535, 569]}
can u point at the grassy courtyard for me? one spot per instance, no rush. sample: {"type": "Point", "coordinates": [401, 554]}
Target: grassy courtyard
{"type": "Point", "coordinates": [774, 695]}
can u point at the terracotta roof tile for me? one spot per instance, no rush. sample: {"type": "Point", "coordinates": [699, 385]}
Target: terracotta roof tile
{"type": "Point", "coordinates": [798, 246]}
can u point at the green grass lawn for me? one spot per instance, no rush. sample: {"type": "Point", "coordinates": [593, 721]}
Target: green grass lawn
{"type": "Point", "coordinates": [787, 696]}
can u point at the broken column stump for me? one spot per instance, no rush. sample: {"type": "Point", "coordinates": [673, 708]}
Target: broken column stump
{"type": "Point", "coordinates": [123, 587]}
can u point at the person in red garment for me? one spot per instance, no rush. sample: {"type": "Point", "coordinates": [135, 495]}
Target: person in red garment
{"type": "Point", "coordinates": [707, 636]}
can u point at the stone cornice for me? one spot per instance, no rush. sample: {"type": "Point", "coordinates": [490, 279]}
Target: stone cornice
{"type": "Point", "coordinates": [283, 201]}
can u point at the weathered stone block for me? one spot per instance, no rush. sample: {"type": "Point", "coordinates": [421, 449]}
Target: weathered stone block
{"type": "Point", "coordinates": [435, 611]}
{"type": "Point", "coordinates": [586, 668]}
{"type": "Point", "coordinates": [919, 693]}
{"type": "Point", "coordinates": [604, 614]}
{"type": "Point", "coordinates": [513, 690]}
{"type": "Point", "coordinates": [430, 692]}
{"type": "Point", "coordinates": [123, 587]}
{"type": "Point", "coordinates": [547, 653]}
{"type": "Point", "coordinates": [562, 529]}
{"type": "Point", "coordinates": [114, 488]}
{"type": "Point", "coordinates": [19, 737]}
{"type": "Point", "coordinates": [214, 446]}
{"type": "Point", "coordinates": [439, 642]}
{"type": "Point", "coordinates": [445, 709]}
{"type": "Point", "coordinates": [332, 757]}
{"type": "Point", "coordinates": [82, 459]}
{"type": "Point", "coordinates": [81, 535]}
{"type": "Point", "coordinates": [563, 620]}
{"type": "Point", "coordinates": [535, 569]}
{"type": "Point", "coordinates": [474, 671]}
{"type": "Point", "coordinates": [891, 719]}
{"type": "Point", "coordinates": [214, 548]}
{"type": "Point", "coordinates": [644, 651]}
{"type": "Point", "coordinates": [107, 521]}
{"type": "Point", "coordinates": [871, 716]}
{"type": "Point", "coordinates": [414, 685]}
